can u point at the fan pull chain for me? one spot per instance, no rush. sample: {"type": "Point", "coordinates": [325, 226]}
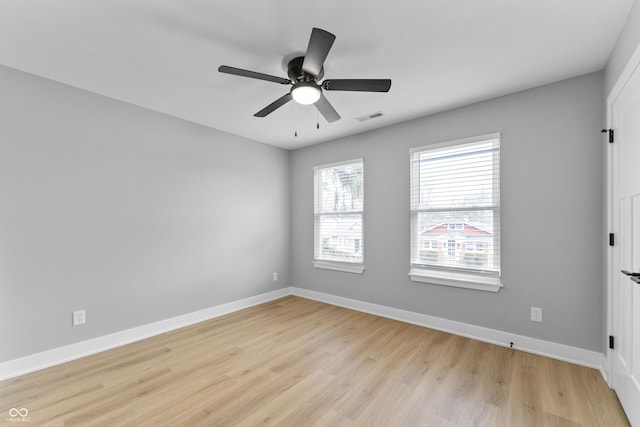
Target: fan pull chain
{"type": "Point", "coordinates": [317, 119]}
{"type": "Point", "coordinates": [295, 121]}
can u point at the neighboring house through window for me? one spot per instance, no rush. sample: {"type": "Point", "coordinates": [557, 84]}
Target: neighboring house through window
{"type": "Point", "coordinates": [338, 216]}
{"type": "Point", "coordinates": [455, 201]}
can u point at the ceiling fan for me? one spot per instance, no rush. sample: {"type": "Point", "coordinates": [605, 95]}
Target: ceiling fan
{"type": "Point", "coordinates": [305, 73]}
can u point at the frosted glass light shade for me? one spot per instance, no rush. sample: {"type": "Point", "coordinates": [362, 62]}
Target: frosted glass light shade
{"type": "Point", "coordinates": [305, 93]}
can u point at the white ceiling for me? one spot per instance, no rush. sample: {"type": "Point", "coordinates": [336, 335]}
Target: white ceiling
{"type": "Point", "coordinates": [164, 54]}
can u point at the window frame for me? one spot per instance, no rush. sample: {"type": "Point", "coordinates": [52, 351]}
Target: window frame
{"type": "Point", "coordinates": [343, 266]}
{"type": "Point", "coordinates": [450, 276]}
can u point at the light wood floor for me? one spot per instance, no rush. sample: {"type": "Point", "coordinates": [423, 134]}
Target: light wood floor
{"type": "Point", "coordinates": [295, 362]}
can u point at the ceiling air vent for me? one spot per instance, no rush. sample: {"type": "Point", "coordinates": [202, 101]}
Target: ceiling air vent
{"type": "Point", "coordinates": [369, 116]}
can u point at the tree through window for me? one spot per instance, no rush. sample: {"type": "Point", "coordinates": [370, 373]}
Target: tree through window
{"type": "Point", "coordinates": [338, 212]}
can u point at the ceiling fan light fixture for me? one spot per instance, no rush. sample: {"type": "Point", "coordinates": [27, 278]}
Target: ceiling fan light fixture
{"type": "Point", "coordinates": [306, 93]}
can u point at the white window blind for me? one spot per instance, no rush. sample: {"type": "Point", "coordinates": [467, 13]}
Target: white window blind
{"type": "Point", "coordinates": [338, 214]}
{"type": "Point", "coordinates": [455, 202]}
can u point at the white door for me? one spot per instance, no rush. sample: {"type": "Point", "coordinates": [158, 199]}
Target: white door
{"type": "Point", "coordinates": [624, 211]}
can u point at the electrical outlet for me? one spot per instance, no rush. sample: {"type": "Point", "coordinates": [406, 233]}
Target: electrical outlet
{"type": "Point", "coordinates": [79, 317]}
{"type": "Point", "coordinates": [275, 277]}
{"type": "Point", "coordinates": [536, 314]}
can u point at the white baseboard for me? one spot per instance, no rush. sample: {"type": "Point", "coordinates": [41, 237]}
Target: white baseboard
{"type": "Point", "coordinates": [604, 367]}
{"type": "Point", "coordinates": [56, 356]}
{"type": "Point", "coordinates": [579, 356]}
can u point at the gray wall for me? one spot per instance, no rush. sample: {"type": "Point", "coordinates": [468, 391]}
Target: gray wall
{"type": "Point", "coordinates": [627, 43]}
{"type": "Point", "coordinates": [129, 214]}
{"type": "Point", "coordinates": [137, 217]}
{"type": "Point", "coordinates": [552, 229]}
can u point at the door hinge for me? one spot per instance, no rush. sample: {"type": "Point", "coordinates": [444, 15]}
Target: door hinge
{"type": "Point", "coordinates": [611, 346]}
{"type": "Point", "coordinates": [612, 239]}
{"type": "Point", "coordinates": [610, 131]}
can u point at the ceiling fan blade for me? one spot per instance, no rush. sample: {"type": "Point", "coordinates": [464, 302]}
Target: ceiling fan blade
{"type": "Point", "coordinates": [361, 85]}
{"type": "Point", "coordinates": [274, 106]}
{"type": "Point", "coordinates": [320, 43]}
{"type": "Point", "coordinates": [326, 109]}
{"type": "Point", "coordinates": [252, 74]}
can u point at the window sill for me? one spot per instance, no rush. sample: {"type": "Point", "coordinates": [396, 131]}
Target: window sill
{"type": "Point", "coordinates": [339, 266]}
{"type": "Point", "coordinates": [460, 280]}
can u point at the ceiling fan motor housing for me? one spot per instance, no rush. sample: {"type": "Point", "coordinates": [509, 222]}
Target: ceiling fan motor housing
{"type": "Point", "coordinates": [294, 70]}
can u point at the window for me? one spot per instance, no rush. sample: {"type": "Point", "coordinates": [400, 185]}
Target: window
{"type": "Point", "coordinates": [338, 216]}
{"type": "Point", "coordinates": [455, 198]}
{"type": "Point", "coordinates": [430, 244]}
{"type": "Point", "coordinates": [452, 248]}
